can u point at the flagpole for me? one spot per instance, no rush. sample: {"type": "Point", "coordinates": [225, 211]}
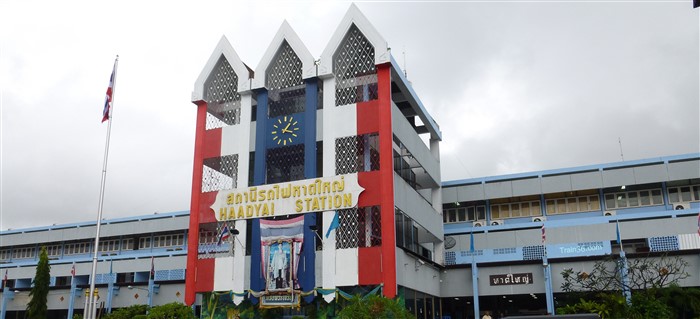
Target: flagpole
{"type": "Point", "coordinates": [90, 311]}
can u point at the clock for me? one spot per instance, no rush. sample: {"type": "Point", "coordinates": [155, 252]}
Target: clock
{"type": "Point", "coordinates": [285, 130]}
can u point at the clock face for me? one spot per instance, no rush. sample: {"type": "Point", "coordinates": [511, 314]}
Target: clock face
{"type": "Point", "coordinates": [285, 130]}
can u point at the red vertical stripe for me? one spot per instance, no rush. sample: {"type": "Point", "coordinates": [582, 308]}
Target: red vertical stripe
{"type": "Point", "coordinates": [193, 235]}
{"type": "Point", "coordinates": [386, 164]}
{"type": "Point", "coordinates": [200, 273]}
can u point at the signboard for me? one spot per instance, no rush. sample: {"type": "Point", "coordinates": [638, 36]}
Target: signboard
{"type": "Point", "coordinates": [297, 197]}
{"type": "Point", "coordinates": [510, 279]}
{"type": "Point", "coordinates": [595, 248]}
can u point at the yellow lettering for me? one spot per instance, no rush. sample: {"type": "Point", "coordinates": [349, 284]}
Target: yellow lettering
{"type": "Point", "coordinates": [261, 195]}
{"type": "Point", "coordinates": [314, 205]}
{"type": "Point", "coordinates": [308, 201]}
{"type": "Point", "coordinates": [257, 209]}
{"type": "Point", "coordinates": [326, 187]}
{"type": "Point", "coordinates": [287, 191]}
{"type": "Point", "coordinates": [323, 202]}
{"type": "Point", "coordinates": [299, 205]}
{"type": "Point", "coordinates": [241, 213]}
{"type": "Point", "coordinates": [253, 192]}
{"type": "Point", "coordinates": [232, 213]}
{"type": "Point", "coordinates": [347, 200]}
{"type": "Point", "coordinates": [239, 198]}
{"type": "Point", "coordinates": [265, 210]}
{"type": "Point", "coordinates": [296, 192]}
{"type": "Point", "coordinates": [248, 211]}
{"type": "Point", "coordinates": [337, 201]}
{"type": "Point", "coordinates": [222, 213]}
{"type": "Point", "coordinates": [229, 199]}
{"type": "Point", "coordinates": [272, 211]}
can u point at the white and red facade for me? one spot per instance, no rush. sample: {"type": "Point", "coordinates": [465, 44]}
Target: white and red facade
{"type": "Point", "coordinates": [352, 112]}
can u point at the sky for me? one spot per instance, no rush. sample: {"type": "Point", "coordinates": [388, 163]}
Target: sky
{"type": "Point", "coordinates": [516, 86]}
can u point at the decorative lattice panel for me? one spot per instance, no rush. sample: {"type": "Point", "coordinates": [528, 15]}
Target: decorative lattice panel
{"type": "Point", "coordinates": [346, 150]}
{"type": "Point", "coordinates": [286, 90]}
{"type": "Point", "coordinates": [105, 278]}
{"type": "Point", "coordinates": [664, 243]}
{"type": "Point", "coordinates": [354, 69]}
{"type": "Point", "coordinates": [172, 274]}
{"type": "Point", "coordinates": [533, 252]}
{"type": "Point", "coordinates": [504, 251]}
{"type": "Point", "coordinates": [285, 164]}
{"type": "Point", "coordinates": [286, 101]}
{"type": "Point", "coordinates": [347, 233]}
{"type": "Point", "coordinates": [357, 154]}
{"type": "Point", "coordinates": [370, 226]}
{"type": "Point", "coordinates": [465, 253]}
{"type": "Point", "coordinates": [450, 258]}
{"type": "Point", "coordinates": [222, 97]}
{"type": "Point", "coordinates": [285, 69]}
{"type": "Point", "coordinates": [220, 173]}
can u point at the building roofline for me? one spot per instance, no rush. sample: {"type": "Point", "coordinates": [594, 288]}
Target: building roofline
{"type": "Point", "coordinates": [573, 170]}
{"type": "Point", "coordinates": [93, 223]}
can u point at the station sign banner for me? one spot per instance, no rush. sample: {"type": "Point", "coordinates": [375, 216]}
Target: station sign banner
{"type": "Point", "coordinates": [511, 279]}
{"type": "Point", "coordinates": [297, 197]}
{"type": "Point", "coordinates": [596, 248]}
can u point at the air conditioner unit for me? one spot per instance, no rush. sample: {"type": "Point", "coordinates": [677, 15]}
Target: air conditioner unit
{"type": "Point", "coordinates": [496, 222]}
{"type": "Point", "coordinates": [538, 219]}
{"type": "Point", "coordinates": [479, 223]}
{"type": "Point", "coordinates": [609, 213]}
{"type": "Point", "coordinates": [681, 206]}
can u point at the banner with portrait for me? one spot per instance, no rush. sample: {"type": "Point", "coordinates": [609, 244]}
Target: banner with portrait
{"type": "Point", "coordinates": [281, 242]}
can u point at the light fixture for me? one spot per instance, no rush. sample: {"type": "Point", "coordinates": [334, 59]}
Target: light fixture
{"type": "Point", "coordinates": [623, 187]}
{"type": "Point", "coordinates": [456, 203]}
{"type": "Point", "coordinates": [314, 229]}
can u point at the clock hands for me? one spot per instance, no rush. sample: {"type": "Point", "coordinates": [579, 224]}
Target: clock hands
{"type": "Point", "coordinates": [285, 129]}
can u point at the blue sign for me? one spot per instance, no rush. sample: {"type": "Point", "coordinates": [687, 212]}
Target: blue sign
{"type": "Point", "coordinates": [595, 248]}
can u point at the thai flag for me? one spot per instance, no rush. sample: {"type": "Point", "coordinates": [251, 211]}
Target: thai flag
{"type": "Point", "coordinates": [4, 280]}
{"type": "Point", "coordinates": [108, 97]}
{"type": "Point", "coordinates": [72, 271]}
{"type": "Point", "coordinates": [225, 234]}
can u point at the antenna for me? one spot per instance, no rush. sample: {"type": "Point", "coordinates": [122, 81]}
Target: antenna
{"type": "Point", "coordinates": [619, 141]}
{"type": "Point", "coordinates": [405, 72]}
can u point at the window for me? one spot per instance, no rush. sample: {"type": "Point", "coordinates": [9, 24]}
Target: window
{"type": "Point", "coordinates": [207, 237]}
{"type": "Point", "coordinates": [144, 242]}
{"type": "Point", "coordinates": [23, 252]}
{"type": "Point", "coordinates": [688, 193]}
{"type": "Point", "coordinates": [520, 208]}
{"type": "Point", "coordinates": [128, 244]}
{"type": "Point", "coordinates": [631, 199]}
{"type": "Point", "coordinates": [464, 214]}
{"type": "Point", "coordinates": [168, 240]}
{"type": "Point", "coordinates": [76, 248]}
{"type": "Point", "coordinates": [5, 254]}
{"type": "Point", "coordinates": [53, 250]}
{"type": "Point", "coordinates": [572, 202]}
{"type": "Point", "coordinates": [109, 245]}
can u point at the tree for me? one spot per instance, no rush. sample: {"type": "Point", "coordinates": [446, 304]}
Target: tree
{"type": "Point", "coordinates": [602, 287]}
{"type": "Point", "coordinates": [643, 274]}
{"type": "Point", "coordinates": [37, 307]}
{"type": "Point", "coordinates": [173, 310]}
{"type": "Point", "coordinates": [128, 312]}
{"type": "Point", "coordinates": [373, 307]}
